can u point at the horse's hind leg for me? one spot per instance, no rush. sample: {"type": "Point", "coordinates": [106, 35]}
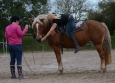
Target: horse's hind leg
{"type": "Point", "coordinates": [58, 56]}
{"type": "Point", "coordinates": [102, 57]}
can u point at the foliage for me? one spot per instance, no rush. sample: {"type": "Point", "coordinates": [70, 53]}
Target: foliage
{"type": "Point", "coordinates": [106, 13]}
{"type": "Point", "coordinates": [23, 8]}
{"type": "Point", "coordinates": [113, 41]}
{"type": "Point", "coordinates": [30, 44]}
{"type": "Point", "coordinates": [70, 7]}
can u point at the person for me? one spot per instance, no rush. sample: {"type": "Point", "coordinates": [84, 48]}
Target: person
{"type": "Point", "coordinates": [66, 20]}
{"type": "Point", "coordinates": [14, 34]}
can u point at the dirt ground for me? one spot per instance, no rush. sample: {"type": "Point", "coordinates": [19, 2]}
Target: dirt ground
{"type": "Point", "coordinates": [41, 67]}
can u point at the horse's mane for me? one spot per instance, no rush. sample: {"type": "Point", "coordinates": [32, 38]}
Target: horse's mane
{"type": "Point", "coordinates": [39, 17]}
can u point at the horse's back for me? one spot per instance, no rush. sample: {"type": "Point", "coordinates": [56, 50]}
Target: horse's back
{"type": "Point", "coordinates": [93, 31]}
{"type": "Point", "coordinates": [93, 23]}
{"type": "Point", "coordinates": [95, 28]}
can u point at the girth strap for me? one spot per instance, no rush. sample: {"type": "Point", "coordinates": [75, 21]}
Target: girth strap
{"type": "Point", "coordinates": [61, 29]}
{"type": "Point", "coordinates": [61, 36]}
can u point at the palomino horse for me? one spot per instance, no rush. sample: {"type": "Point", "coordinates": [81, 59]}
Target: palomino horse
{"type": "Point", "coordinates": [93, 31]}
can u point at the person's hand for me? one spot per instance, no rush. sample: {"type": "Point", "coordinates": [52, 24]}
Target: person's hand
{"type": "Point", "coordinates": [43, 38]}
{"type": "Point", "coordinates": [26, 26]}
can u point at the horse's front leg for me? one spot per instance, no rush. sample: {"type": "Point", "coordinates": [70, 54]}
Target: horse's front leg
{"type": "Point", "coordinates": [59, 60]}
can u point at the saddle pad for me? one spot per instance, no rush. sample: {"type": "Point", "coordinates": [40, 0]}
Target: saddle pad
{"type": "Point", "coordinates": [79, 26]}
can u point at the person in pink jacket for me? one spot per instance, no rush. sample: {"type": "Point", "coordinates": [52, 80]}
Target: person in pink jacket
{"type": "Point", "coordinates": [14, 34]}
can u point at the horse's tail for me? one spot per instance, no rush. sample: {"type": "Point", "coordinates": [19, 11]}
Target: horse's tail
{"type": "Point", "coordinates": [107, 45]}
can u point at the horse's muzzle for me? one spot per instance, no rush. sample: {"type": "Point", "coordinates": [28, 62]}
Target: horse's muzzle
{"type": "Point", "coordinates": [39, 40]}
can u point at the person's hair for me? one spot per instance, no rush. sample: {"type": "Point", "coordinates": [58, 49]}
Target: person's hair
{"type": "Point", "coordinates": [14, 18]}
{"type": "Point", "coordinates": [54, 16]}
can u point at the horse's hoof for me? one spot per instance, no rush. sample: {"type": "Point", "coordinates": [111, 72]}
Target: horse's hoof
{"type": "Point", "coordinates": [104, 70]}
{"type": "Point", "coordinates": [60, 72]}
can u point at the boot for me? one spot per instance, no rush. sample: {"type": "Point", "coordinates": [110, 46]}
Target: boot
{"type": "Point", "coordinates": [19, 68]}
{"type": "Point", "coordinates": [13, 75]}
{"type": "Point", "coordinates": [77, 47]}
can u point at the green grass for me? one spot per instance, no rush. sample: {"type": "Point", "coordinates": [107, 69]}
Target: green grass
{"type": "Point", "coordinates": [113, 41]}
{"type": "Point", "coordinates": [30, 44]}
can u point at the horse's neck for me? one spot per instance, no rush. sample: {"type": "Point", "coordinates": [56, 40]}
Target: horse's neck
{"type": "Point", "coordinates": [46, 27]}
{"type": "Point", "coordinates": [46, 30]}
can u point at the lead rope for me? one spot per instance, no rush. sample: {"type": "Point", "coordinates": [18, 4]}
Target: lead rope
{"type": "Point", "coordinates": [42, 55]}
{"type": "Point", "coordinates": [34, 60]}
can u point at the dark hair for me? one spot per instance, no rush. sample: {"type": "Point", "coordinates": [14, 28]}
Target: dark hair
{"type": "Point", "coordinates": [14, 18]}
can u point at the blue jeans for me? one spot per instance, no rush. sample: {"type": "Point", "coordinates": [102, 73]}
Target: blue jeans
{"type": "Point", "coordinates": [70, 26]}
{"type": "Point", "coordinates": [15, 54]}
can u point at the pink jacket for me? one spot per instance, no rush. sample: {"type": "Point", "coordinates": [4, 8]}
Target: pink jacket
{"type": "Point", "coordinates": [14, 34]}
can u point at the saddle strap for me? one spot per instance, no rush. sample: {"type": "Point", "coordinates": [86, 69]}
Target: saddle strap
{"type": "Point", "coordinates": [61, 37]}
{"type": "Point", "coordinates": [62, 31]}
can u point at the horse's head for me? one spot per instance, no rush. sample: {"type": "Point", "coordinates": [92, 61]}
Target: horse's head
{"type": "Point", "coordinates": [38, 26]}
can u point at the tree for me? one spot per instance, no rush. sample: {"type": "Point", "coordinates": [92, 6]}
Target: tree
{"type": "Point", "coordinates": [70, 7]}
{"type": "Point", "coordinates": [106, 13]}
{"type": "Point", "coordinates": [23, 8]}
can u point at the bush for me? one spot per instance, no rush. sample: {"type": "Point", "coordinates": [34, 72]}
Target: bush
{"type": "Point", "coordinates": [30, 44]}
{"type": "Point", "coordinates": [113, 41]}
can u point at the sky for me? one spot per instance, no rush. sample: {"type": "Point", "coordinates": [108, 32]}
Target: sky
{"type": "Point", "coordinates": [93, 1]}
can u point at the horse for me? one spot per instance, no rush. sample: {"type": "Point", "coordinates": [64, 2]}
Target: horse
{"type": "Point", "coordinates": [94, 31]}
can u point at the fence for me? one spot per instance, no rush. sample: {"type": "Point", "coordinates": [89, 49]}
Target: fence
{"type": "Point", "coordinates": [3, 46]}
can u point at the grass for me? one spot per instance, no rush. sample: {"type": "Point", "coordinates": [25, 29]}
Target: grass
{"type": "Point", "coordinates": [30, 44]}
{"type": "Point", "coordinates": [113, 41]}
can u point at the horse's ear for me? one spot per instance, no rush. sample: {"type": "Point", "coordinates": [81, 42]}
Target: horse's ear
{"type": "Point", "coordinates": [31, 20]}
{"type": "Point", "coordinates": [42, 19]}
